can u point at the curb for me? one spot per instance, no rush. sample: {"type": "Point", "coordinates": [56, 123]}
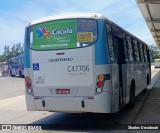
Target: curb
{"type": "Point", "coordinates": [149, 89]}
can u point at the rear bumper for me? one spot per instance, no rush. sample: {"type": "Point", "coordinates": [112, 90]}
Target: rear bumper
{"type": "Point", "coordinates": [98, 104]}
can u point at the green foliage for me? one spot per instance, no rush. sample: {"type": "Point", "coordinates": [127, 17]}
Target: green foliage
{"type": "Point", "coordinates": [157, 56]}
{"type": "Point", "coordinates": [10, 52]}
{"type": "Point", "coordinates": [155, 51]}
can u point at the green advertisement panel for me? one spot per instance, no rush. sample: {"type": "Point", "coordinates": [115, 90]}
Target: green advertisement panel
{"type": "Point", "coordinates": [55, 35]}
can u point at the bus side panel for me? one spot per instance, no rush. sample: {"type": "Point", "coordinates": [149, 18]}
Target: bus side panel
{"type": "Point", "coordinates": [103, 100]}
{"type": "Point", "coordinates": [128, 76]}
{"type": "Point", "coordinates": [27, 57]}
{"type": "Point", "coordinates": [141, 78]}
{"type": "Point", "coordinates": [102, 66]}
{"type": "Point", "coordinates": [115, 88]}
{"type": "Point", "coordinates": [103, 103]}
{"type": "Point", "coordinates": [138, 73]}
{"type": "Point", "coordinates": [101, 52]}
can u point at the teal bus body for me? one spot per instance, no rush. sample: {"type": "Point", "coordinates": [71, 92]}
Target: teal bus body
{"type": "Point", "coordinates": [103, 72]}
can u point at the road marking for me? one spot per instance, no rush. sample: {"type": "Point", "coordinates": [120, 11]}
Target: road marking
{"type": "Point", "coordinates": [14, 104]}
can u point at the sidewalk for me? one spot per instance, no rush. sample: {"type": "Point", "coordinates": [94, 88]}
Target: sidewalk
{"type": "Point", "coordinates": [150, 110]}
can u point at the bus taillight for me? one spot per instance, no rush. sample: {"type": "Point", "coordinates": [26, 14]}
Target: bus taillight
{"type": "Point", "coordinates": [99, 83]}
{"type": "Point", "coordinates": [99, 90]}
{"type": "Point", "coordinates": [27, 79]}
{"type": "Point", "coordinates": [101, 77]}
{"type": "Point", "coordinates": [28, 85]}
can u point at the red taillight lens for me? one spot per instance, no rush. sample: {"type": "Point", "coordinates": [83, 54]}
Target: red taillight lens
{"type": "Point", "coordinates": [28, 85]}
{"type": "Point", "coordinates": [99, 83]}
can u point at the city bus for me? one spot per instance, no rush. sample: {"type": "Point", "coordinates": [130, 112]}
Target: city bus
{"type": "Point", "coordinates": [3, 69]}
{"type": "Point", "coordinates": [83, 63]}
{"type": "Point", "coordinates": [16, 66]}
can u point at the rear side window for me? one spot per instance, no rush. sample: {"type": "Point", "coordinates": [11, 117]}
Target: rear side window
{"type": "Point", "coordinates": [145, 53]}
{"type": "Point", "coordinates": [110, 44]}
{"type": "Point", "coordinates": [136, 51]}
{"type": "Point", "coordinates": [63, 34]}
{"type": "Point", "coordinates": [141, 52]}
{"type": "Point", "coordinates": [129, 48]}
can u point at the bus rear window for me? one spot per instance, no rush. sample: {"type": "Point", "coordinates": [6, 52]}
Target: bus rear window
{"type": "Point", "coordinates": [62, 34]}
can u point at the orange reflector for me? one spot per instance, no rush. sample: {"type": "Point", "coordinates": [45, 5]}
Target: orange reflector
{"type": "Point", "coordinates": [101, 77]}
{"type": "Point", "coordinates": [99, 83]}
{"type": "Point", "coordinates": [27, 79]}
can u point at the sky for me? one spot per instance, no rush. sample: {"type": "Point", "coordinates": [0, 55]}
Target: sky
{"type": "Point", "coordinates": [16, 14]}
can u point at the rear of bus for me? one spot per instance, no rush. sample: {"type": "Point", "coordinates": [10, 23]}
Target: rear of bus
{"type": "Point", "coordinates": [65, 65]}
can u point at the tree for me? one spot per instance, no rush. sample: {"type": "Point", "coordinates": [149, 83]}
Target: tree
{"type": "Point", "coordinates": [0, 58]}
{"type": "Point", "coordinates": [155, 51]}
{"type": "Point", "coordinates": [20, 48]}
{"type": "Point", "coordinates": [6, 50]}
{"type": "Point", "coordinates": [9, 52]}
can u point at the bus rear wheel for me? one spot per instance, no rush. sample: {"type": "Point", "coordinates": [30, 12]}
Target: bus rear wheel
{"type": "Point", "coordinates": [20, 74]}
{"type": "Point", "coordinates": [132, 96]}
{"type": "Point", "coordinates": [11, 74]}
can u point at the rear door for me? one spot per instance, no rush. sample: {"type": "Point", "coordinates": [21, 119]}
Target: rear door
{"type": "Point", "coordinates": [118, 69]}
{"type": "Point", "coordinates": [119, 47]}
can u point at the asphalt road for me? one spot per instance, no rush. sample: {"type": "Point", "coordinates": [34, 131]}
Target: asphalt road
{"type": "Point", "coordinates": [13, 109]}
{"type": "Point", "coordinates": [11, 87]}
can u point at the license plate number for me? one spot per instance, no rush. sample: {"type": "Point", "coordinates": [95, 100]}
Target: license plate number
{"type": "Point", "coordinates": [62, 91]}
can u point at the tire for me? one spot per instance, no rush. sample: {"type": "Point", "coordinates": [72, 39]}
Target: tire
{"type": "Point", "coordinates": [11, 74]}
{"type": "Point", "coordinates": [20, 74]}
{"type": "Point", "coordinates": [145, 90]}
{"type": "Point", "coordinates": [132, 96]}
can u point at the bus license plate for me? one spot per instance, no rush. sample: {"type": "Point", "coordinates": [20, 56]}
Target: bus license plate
{"type": "Point", "coordinates": [62, 91]}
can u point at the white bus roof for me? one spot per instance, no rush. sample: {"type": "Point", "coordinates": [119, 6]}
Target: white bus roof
{"type": "Point", "coordinates": [66, 16]}
{"type": "Point", "coordinates": [77, 15]}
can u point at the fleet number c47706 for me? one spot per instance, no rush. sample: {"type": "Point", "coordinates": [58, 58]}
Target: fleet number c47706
{"type": "Point", "coordinates": [78, 68]}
